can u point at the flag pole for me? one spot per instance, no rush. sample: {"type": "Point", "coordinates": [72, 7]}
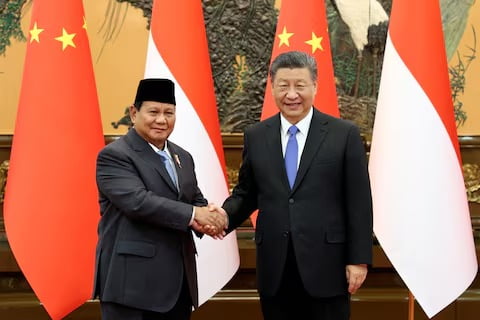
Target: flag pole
{"type": "Point", "coordinates": [411, 306]}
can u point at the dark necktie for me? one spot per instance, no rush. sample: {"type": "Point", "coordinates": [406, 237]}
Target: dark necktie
{"type": "Point", "coordinates": [291, 155]}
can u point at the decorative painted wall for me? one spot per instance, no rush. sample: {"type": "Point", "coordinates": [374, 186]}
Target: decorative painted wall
{"type": "Point", "coordinates": [240, 34]}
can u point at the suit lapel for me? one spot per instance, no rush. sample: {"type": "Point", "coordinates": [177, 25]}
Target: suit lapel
{"type": "Point", "coordinates": [316, 135]}
{"type": "Point", "coordinates": [274, 148]}
{"type": "Point", "coordinates": [146, 153]}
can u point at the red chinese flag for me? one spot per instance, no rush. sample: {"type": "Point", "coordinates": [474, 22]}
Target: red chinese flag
{"type": "Point", "coordinates": [51, 209]}
{"type": "Point", "coordinates": [304, 28]}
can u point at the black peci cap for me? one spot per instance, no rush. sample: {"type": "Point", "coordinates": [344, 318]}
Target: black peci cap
{"type": "Point", "coordinates": [159, 90]}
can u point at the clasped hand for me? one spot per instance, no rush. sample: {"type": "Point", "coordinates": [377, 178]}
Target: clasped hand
{"type": "Point", "coordinates": [211, 220]}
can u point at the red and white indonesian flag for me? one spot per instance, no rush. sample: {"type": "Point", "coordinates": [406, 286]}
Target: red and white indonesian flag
{"type": "Point", "coordinates": [421, 215]}
{"type": "Point", "coordinates": [177, 50]}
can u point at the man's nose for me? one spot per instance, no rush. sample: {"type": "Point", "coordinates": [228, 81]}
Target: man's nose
{"type": "Point", "coordinates": [292, 92]}
{"type": "Point", "coordinates": [160, 118]}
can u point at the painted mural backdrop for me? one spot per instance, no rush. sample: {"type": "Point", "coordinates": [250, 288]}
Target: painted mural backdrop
{"type": "Point", "coordinates": [240, 35]}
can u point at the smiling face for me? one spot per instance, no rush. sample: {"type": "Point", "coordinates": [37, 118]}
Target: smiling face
{"type": "Point", "coordinates": [294, 91]}
{"type": "Point", "coordinates": [154, 121]}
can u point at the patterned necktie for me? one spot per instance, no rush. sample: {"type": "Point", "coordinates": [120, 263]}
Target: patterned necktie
{"type": "Point", "coordinates": [168, 166]}
{"type": "Point", "coordinates": [291, 155]}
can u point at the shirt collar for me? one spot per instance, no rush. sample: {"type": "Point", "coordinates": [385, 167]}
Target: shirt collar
{"type": "Point", "coordinates": [165, 148]}
{"type": "Point", "coordinates": [303, 125]}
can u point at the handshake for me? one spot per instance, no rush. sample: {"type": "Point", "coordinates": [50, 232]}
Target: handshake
{"type": "Point", "coordinates": [211, 220]}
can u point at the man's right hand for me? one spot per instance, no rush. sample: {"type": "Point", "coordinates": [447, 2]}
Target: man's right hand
{"type": "Point", "coordinates": [211, 220]}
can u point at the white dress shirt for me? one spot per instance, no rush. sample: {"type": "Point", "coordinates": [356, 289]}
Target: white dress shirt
{"type": "Point", "coordinates": [303, 127]}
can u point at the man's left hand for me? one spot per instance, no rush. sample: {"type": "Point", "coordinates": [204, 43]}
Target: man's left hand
{"type": "Point", "coordinates": [356, 274]}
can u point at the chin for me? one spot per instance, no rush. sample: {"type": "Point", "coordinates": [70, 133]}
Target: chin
{"type": "Point", "coordinates": [294, 114]}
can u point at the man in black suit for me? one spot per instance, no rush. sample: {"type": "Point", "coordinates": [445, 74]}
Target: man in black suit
{"type": "Point", "coordinates": [311, 187]}
{"type": "Point", "coordinates": [150, 202]}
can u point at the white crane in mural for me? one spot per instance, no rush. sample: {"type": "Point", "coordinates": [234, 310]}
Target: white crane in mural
{"type": "Point", "coordinates": [359, 16]}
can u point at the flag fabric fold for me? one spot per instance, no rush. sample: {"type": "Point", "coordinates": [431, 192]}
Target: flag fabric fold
{"type": "Point", "coordinates": [51, 205]}
{"type": "Point", "coordinates": [178, 50]}
{"type": "Point", "coordinates": [421, 215]}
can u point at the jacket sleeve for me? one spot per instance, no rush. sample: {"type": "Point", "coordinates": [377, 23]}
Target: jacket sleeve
{"type": "Point", "coordinates": [358, 200]}
{"type": "Point", "coordinates": [119, 183]}
{"type": "Point", "coordinates": [243, 201]}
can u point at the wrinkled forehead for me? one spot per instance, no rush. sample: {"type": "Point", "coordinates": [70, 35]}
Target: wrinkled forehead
{"type": "Point", "coordinates": [157, 105]}
{"type": "Point", "coordinates": [292, 75]}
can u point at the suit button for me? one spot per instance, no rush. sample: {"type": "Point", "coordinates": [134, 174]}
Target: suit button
{"type": "Point", "coordinates": [285, 234]}
{"type": "Point", "coordinates": [291, 201]}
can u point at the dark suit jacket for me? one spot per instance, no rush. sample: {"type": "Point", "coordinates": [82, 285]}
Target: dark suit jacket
{"type": "Point", "coordinates": [327, 215]}
{"type": "Point", "coordinates": [145, 245]}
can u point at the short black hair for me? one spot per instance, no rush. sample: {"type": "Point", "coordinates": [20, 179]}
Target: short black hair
{"type": "Point", "coordinates": [294, 59]}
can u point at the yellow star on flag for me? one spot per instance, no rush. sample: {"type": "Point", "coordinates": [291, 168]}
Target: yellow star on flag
{"type": "Point", "coordinates": [84, 24]}
{"type": "Point", "coordinates": [66, 39]}
{"type": "Point", "coordinates": [34, 33]}
{"type": "Point", "coordinates": [284, 36]}
{"type": "Point", "coordinates": [315, 42]}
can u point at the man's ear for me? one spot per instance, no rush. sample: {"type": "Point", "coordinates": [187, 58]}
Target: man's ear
{"type": "Point", "coordinates": [133, 113]}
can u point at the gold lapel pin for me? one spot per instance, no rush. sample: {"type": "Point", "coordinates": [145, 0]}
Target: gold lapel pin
{"type": "Point", "coordinates": [177, 160]}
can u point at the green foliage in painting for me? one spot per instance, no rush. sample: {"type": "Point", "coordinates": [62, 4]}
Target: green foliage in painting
{"type": "Point", "coordinates": [10, 16]}
{"type": "Point", "coordinates": [458, 80]}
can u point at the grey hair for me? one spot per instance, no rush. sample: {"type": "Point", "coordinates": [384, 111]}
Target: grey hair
{"type": "Point", "coordinates": [294, 59]}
